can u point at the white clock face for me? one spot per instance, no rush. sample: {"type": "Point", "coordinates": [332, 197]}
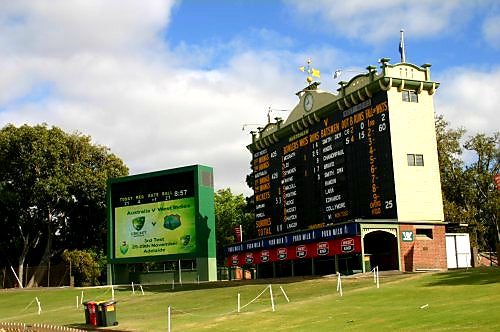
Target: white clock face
{"type": "Point", "coordinates": [308, 102]}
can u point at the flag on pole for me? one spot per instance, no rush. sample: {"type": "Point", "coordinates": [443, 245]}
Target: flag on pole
{"type": "Point", "coordinates": [402, 46]}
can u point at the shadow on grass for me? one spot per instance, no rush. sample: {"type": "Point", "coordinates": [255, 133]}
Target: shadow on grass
{"type": "Point", "coordinates": [214, 285]}
{"type": "Point", "coordinates": [477, 276]}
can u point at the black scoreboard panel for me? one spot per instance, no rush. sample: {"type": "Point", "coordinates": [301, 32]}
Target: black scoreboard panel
{"type": "Point", "coordinates": [165, 187]}
{"type": "Point", "coordinates": [336, 170]}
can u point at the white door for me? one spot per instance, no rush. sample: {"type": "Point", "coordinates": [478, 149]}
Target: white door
{"type": "Point", "coordinates": [463, 250]}
{"type": "Point", "coordinates": [451, 254]}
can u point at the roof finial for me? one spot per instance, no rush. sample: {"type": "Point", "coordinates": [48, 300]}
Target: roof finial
{"type": "Point", "coordinates": [402, 46]}
{"type": "Point", "coordinates": [310, 71]}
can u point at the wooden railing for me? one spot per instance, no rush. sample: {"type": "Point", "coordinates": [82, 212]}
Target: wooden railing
{"type": "Point", "coordinates": [22, 327]}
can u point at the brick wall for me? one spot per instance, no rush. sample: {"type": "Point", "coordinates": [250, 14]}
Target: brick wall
{"type": "Point", "coordinates": [423, 252]}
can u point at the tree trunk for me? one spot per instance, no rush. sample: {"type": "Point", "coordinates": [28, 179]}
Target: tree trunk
{"type": "Point", "coordinates": [42, 268]}
{"type": "Point", "coordinates": [20, 270]}
{"type": "Point", "coordinates": [24, 253]}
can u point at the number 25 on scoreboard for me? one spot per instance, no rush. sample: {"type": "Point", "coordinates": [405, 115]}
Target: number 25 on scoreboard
{"type": "Point", "coordinates": [388, 205]}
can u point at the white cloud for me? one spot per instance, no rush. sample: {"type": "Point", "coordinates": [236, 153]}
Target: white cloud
{"type": "Point", "coordinates": [469, 98]}
{"type": "Point", "coordinates": [152, 112]}
{"type": "Point", "coordinates": [375, 21]}
{"type": "Point", "coordinates": [61, 27]}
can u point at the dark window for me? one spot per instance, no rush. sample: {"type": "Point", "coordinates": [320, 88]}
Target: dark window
{"type": "Point", "coordinates": [424, 233]}
{"type": "Point", "coordinates": [415, 159]}
{"type": "Point", "coordinates": [410, 96]}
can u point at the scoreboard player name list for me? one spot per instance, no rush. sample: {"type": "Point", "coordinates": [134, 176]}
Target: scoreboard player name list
{"type": "Point", "coordinates": [337, 169]}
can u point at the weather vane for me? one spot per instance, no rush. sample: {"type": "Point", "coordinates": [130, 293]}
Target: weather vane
{"type": "Point", "coordinates": [310, 71]}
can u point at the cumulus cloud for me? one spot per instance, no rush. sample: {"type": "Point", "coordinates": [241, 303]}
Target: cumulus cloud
{"type": "Point", "coordinates": [375, 21]}
{"type": "Point", "coordinates": [469, 98]}
{"type": "Point", "coordinates": [112, 76]}
{"type": "Point", "coordinates": [103, 68]}
{"type": "Point", "coordinates": [60, 27]}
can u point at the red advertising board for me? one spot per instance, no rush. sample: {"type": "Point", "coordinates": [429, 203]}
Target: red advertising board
{"type": "Point", "coordinates": [310, 250]}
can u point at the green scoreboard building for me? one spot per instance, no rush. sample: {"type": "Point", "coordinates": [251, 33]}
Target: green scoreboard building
{"type": "Point", "coordinates": [162, 216]}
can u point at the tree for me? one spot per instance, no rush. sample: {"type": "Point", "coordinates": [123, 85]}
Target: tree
{"type": "Point", "coordinates": [84, 266]}
{"type": "Point", "coordinates": [51, 184]}
{"type": "Point", "coordinates": [231, 212]}
{"type": "Point", "coordinates": [469, 196]}
{"type": "Point", "coordinates": [483, 194]}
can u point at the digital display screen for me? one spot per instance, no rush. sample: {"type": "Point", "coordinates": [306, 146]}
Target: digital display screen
{"type": "Point", "coordinates": [337, 169]}
{"type": "Point", "coordinates": [154, 216]}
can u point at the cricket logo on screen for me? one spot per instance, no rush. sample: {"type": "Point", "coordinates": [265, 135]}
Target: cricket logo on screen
{"type": "Point", "coordinates": [138, 223]}
{"type": "Point", "coordinates": [172, 221]}
{"type": "Point", "coordinates": [124, 247]}
{"type": "Point", "coordinates": [185, 240]}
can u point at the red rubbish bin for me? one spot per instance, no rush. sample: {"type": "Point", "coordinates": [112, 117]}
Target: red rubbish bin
{"type": "Point", "coordinates": [92, 310]}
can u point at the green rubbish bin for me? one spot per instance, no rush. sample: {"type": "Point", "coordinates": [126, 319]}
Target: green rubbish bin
{"type": "Point", "coordinates": [107, 313]}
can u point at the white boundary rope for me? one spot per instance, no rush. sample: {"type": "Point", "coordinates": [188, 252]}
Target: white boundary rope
{"type": "Point", "coordinates": [255, 298]}
{"type": "Point", "coordinates": [197, 315]}
{"type": "Point", "coordinates": [25, 308]}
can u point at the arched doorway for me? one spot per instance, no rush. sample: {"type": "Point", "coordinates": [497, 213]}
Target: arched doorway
{"type": "Point", "coordinates": [382, 248]}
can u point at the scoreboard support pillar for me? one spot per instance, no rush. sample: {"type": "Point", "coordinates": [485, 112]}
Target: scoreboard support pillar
{"type": "Point", "coordinates": [118, 274]}
{"type": "Point", "coordinates": [207, 268]}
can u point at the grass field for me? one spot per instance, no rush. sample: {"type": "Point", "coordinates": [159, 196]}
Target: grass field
{"type": "Point", "coordinates": [451, 301]}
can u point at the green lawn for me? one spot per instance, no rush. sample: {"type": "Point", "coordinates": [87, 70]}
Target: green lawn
{"type": "Point", "coordinates": [456, 300]}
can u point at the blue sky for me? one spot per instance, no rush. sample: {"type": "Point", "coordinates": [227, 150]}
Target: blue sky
{"type": "Point", "coordinates": [167, 83]}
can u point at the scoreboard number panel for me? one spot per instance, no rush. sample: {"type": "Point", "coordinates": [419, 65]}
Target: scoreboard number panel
{"type": "Point", "coordinates": [338, 169]}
